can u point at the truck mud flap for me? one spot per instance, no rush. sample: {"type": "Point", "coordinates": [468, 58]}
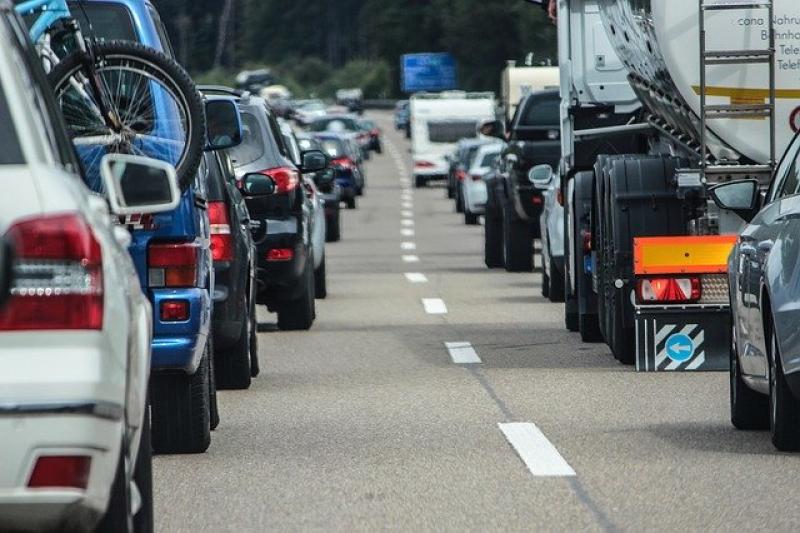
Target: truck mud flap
{"type": "Point", "coordinates": [674, 340]}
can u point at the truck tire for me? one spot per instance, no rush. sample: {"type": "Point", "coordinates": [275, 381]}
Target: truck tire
{"type": "Point", "coordinates": [181, 410]}
{"type": "Point", "coordinates": [298, 314]}
{"type": "Point", "coordinates": [555, 283]}
{"type": "Point", "coordinates": [493, 238]}
{"type": "Point", "coordinates": [420, 182]}
{"type": "Point", "coordinates": [233, 366]}
{"type": "Point", "coordinates": [470, 219]}
{"type": "Point", "coordinates": [321, 281]}
{"type": "Point", "coordinates": [517, 242]}
{"type": "Point", "coordinates": [585, 297]}
{"type": "Point", "coordinates": [749, 409]}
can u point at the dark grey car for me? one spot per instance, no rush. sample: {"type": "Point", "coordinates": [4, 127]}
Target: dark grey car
{"type": "Point", "coordinates": [764, 275]}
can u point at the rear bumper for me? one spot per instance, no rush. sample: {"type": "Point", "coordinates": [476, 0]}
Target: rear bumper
{"type": "Point", "coordinates": [180, 345]}
{"type": "Point", "coordinates": [230, 301]}
{"type": "Point", "coordinates": [279, 281]}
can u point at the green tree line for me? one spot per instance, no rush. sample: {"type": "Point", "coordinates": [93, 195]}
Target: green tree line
{"type": "Point", "coordinates": [319, 45]}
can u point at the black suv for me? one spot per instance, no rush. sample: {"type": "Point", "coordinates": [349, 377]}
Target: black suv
{"type": "Point", "coordinates": [533, 139]}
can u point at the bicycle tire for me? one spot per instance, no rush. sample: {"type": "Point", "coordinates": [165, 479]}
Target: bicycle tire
{"type": "Point", "coordinates": [170, 73]}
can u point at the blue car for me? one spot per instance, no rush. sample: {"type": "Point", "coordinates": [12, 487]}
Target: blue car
{"type": "Point", "coordinates": [173, 258]}
{"type": "Point", "coordinates": [346, 163]}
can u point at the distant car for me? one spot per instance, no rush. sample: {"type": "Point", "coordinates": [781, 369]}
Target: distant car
{"type": "Point", "coordinates": [329, 190]}
{"type": "Point", "coordinates": [305, 111]}
{"type": "Point", "coordinates": [473, 187]}
{"type": "Point", "coordinates": [344, 154]}
{"type": "Point", "coordinates": [352, 99]}
{"type": "Point", "coordinates": [458, 162]}
{"type": "Point", "coordinates": [765, 303]}
{"type": "Point", "coordinates": [344, 123]}
{"type": "Point", "coordinates": [233, 250]}
{"type": "Point", "coordinates": [254, 80]}
{"type": "Point", "coordinates": [374, 131]}
{"type": "Point", "coordinates": [401, 115]}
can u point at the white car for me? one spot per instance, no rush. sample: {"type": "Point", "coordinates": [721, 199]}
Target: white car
{"type": "Point", "coordinates": [473, 188]}
{"type": "Point", "coordinates": [546, 180]}
{"type": "Point", "coordinates": [75, 334]}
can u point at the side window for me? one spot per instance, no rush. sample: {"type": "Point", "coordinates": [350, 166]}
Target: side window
{"type": "Point", "coordinates": [166, 44]}
{"type": "Point", "coordinates": [277, 135]}
{"type": "Point", "coordinates": [787, 177]}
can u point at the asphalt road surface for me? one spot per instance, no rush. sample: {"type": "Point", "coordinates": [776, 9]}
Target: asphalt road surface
{"type": "Point", "coordinates": [370, 421]}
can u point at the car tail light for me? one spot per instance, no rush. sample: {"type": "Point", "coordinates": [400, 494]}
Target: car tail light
{"type": "Point", "coordinates": [58, 275]}
{"type": "Point", "coordinates": [221, 238]}
{"type": "Point", "coordinates": [344, 162]}
{"type": "Point", "coordinates": [423, 164]}
{"type": "Point", "coordinates": [172, 264]}
{"type": "Point", "coordinates": [461, 175]}
{"type": "Point", "coordinates": [61, 471]}
{"type": "Point", "coordinates": [286, 179]}
{"type": "Point", "coordinates": [174, 311]}
{"type": "Point", "coordinates": [280, 254]}
{"type": "Point", "coordinates": [668, 290]}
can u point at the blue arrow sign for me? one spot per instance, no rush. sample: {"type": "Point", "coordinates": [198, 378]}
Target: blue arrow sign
{"type": "Point", "coordinates": [679, 347]}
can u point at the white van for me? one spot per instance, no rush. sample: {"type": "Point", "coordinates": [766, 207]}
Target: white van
{"type": "Point", "coordinates": [438, 122]}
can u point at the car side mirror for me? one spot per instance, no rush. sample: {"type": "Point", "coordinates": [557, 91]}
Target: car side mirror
{"type": "Point", "coordinates": [541, 176]}
{"type": "Point", "coordinates": [325, 177]}
{"type": "Point", "coordinates": [740, 196]}
{"type": "Point", "coordinates": [223, 125]}
{"type": "Point", "coordinates": [314, 161]}
{"type": "Point", "coordinates": [139, 185]}
{"type": "Point", "coordinates": [492, 128]}
{"type": "Point", "coordinates": [256, 184]}
{"type": "Point", "coordinates": [6, 270]}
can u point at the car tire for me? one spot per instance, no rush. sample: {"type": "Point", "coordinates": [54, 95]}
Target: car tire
{"type": "Point", "coordinates": [333, 231]}
{"type": "Point", "coordinates": [749, 409]}
{"type": "Point", "coordinates": [213, 407]}
{"type": "Point", "coordinates": [471, 219]}
{"type": "Point", "coordinates": [451, 192]}
{"type": "Point", "coordinates": [420, 182]}
{"type": "Point", "coordinates": [233, 366]}
{"type": "Point", "coordinates": [459, 199]}
{"type": "Point", "coordinates": [556, 283]}
{"type": "Point", "coordinates": [298, 314]}
{"type": "Point", "coordinates": [255, 368]}
{"type": "Point", "coordinates": [181, 410]}
{"type": "Point", "coordinates": [493, 239]}
{"type": "Point", "coordinates": [350, 203]}
{"type": "Point", "coordinates": [518, 242]}
{"type": "Point", "coordinates": [321, 281]}
{"type": "Point", "coordinates": [545, 285]}
{"type": "Point", "coordinates": [784, 407]}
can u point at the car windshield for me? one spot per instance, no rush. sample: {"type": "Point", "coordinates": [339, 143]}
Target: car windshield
{"type": "Point", "coordinates": [10, 149]}
{"type": "Point", "coordinates": [252, 147]}
{"type": "Point", "coordinates": [335, 124]}
{"type": "Point", "coordinates": [333, 148]}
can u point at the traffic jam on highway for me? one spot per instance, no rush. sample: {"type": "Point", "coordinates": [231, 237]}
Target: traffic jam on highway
{"type": "Point", "coordinates": [570, 304]}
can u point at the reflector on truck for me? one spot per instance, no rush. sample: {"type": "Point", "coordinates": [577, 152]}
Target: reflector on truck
{"type": "Point", "coordinates": [682, 255]}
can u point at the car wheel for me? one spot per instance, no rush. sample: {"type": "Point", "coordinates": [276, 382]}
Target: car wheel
{"type": "Point", "coordinates": [459, 199]}
{"type": "Point", "coordinates": [119, 513]}
{"type": "Point", "coordinates": [470, 219]}
{"type": "Point", "coordinates": [350, 203]}
{"type": "Point", "coordinates": [143, 477]}
{"type": "Point", "coordinates": [298, 314]}
{"type": "Point", "coordinates": [213, 408]}
{"type": "Point", "coordinates": [420, 182]}
{"type": "Point", "coordinates": [518, 242]}
{"type": "Point", "coordinates": [255, 368]}
{"type": "Point", "coordinates": [493, 239]}
{"type": "Point", "coordinates": [321, 281]}
{"type": "Point", "coordinates": [749, 409]}
{"type": "Point", "coordinates": [333, 228]}
{"type": "Point", "coordinates": [784, 408]}
{"type": "Point", "coordinates": [556, 283]}
{"type": "Point", "coordinates": [233, 366]}
{"type": "Point", "coordinates": [181, 413]}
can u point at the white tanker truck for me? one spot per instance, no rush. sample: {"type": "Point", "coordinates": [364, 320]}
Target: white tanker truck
{"type": "Point", "coordinates": [661, 100]}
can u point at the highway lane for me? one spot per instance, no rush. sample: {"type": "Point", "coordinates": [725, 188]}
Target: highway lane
{"type": "Point", "coordinates": [369, 421]}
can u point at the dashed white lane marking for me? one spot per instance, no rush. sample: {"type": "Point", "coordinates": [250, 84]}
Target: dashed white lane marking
{"type": "Point", "coordinates": [406, 222]}
{"type": "Point", "coordinates": [434, 306]}
{"type": "Point", "coordinates": [410, 259]}
{"type": "Point", "coordinates": [416, 277]}
{"type": "Point", "coordinates": [406, 214]}
{"type": "Point", "coordinates": [407, 205]}
{"type": "Point", "coordinates": [408, 246]}
{"type": "Point", "coordinates": [538, 453]}
{"type": "Point", "coordinates": [462, 353]}
{"type": "Point", "coordinates": [407, 232]}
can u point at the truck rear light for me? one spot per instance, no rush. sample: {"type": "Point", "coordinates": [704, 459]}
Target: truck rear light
{"type": "Point", "coordinates": [61, 471]}
{"type": "Point", "coordinates": [280, 254]}
{"type": "Point", "coordinates": [172, 264]}
{"type": "Point", "coordinates": [587, 240]}
{"type": "Point", "coordinates": [221, 238]}
{"type": "Point", "coordinates": [174, 311]}
{"type": "Point", "coordinates": [58, 276]}
{"type": "Point", "coordinates": [423, 164]}
{"type": "Point", "coordinates": [668, 290]}
{"type": "Point", "coordinates": [286, 179]}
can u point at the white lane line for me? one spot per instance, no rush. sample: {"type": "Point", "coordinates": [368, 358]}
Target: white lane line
{"type": "Point", "coordinates": [408, 245]}
{"type": "Point", "coordinates": [406, 213]}
{"type": "Point", "coordinates": [538, 453]}
{"type": "Point", "coordinates": [407, 222]}
{"type": "Point", "coordinates": [407, 232]}
{"type": "Point", "coordinates": [416, 277]}
{"type": "Point", "coordinates": [434, 306]}
{"type": "Point", "coordinates": [407, 205]}
{"type": "Point", "coordinates": [462, 353]}
{"type": "Point", "coordinates": [410, 259]}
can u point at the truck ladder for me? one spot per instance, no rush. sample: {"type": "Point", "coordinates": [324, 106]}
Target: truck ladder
{"type": "Point", "coordinates": [736, 110]}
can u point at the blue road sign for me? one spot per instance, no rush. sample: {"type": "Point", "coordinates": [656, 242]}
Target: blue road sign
{"type": "Point", "coordinates": [428, 72]}
{"type": "Point", "coordinates": [680, 347]}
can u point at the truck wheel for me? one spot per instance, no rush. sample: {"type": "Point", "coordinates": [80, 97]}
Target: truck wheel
{"type": "Point", "coordinates": [143, 477]}
{"type": "Point", "coordinates": [420, 182]}
{"type": "Point", "coordinates": [350, 203]}
{"type": "Point", "coordinates": [181, 413]}
{"type": "Point", "coordinates": [333, 231]}
{"type": "Point", "coordinates": [784, 407]}
{"type": "Point", "coordinates": [545, 285]}
{"type": "Point", "coordinates": [233, 366]}
{"type": "Point", "coordinates": [298, 314]}
{"type": "Point", "coordinates": [518, 242]}
{"type": "Point", "coordinates": [321, 281]}
{"type": "Point", "coordinates": [493, 239]}
{"type": "Point", "coordinates": [749, 409]}
{"type": "Point", "coordinates": [556, 283]}
{"type": "Point", "coordinates": [585, 297]}
{"type": "Point", "coordinates": [589, 328]}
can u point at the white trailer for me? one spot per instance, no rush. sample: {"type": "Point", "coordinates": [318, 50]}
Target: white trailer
{"type": "Point", "coordinates": [661, 100]}
{"type": "Point", "coordinates": [519, 81]}
{"type": "Point", "coordinates": [438, 122]}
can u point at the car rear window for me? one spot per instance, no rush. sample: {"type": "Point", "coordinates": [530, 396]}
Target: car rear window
{"type": "Point", "coordinates": [252, 147]}
{"type": "Point", "coordinates": [333, 147]}
{"type": "Point", "coordinates": [108, 21]}
{"type": "Point", "coordinates": [541, 112]}
{"type": "Point", "coordinates": [451, 131]}
{"type": "Point", "coordinates": [10, 149]}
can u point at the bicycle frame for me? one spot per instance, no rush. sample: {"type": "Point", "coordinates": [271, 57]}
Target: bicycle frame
{"type": "Point", "coordinates": [51, 11]}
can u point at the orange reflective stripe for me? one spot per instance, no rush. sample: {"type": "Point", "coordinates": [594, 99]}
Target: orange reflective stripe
{"type": "Point", "coordinates": [682, 255]}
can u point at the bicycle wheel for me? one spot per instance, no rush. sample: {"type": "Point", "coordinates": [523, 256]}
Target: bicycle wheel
{"type": "Point", "coordinates": [131, 99]}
